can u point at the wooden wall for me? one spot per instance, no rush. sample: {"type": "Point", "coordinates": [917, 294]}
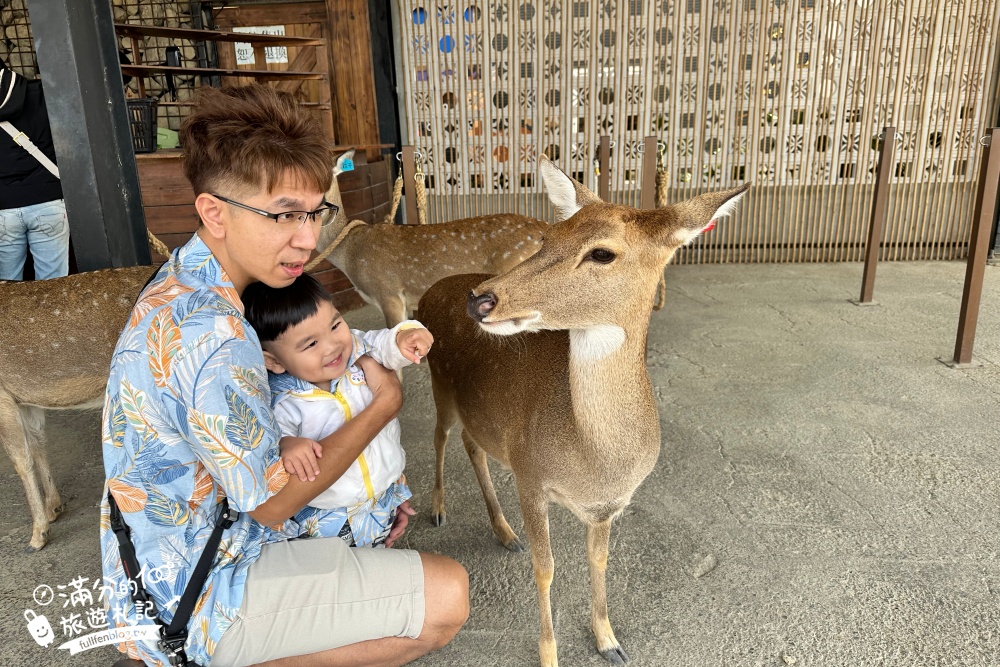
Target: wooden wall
{"type": "Point", "coordinates": [168, 201]}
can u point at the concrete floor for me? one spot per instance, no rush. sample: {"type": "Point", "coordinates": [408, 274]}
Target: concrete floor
{"type": "Point", "coordinates": [843, 479]}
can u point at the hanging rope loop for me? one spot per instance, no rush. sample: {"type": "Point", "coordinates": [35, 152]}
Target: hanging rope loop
{"type": "Point", "coordinates": [333, 244]}
{"type": "Point", "coordinates": [420, 189]}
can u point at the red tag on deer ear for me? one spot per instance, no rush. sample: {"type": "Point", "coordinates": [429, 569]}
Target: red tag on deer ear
{"type": "Point", "coordinates": [709, 227]}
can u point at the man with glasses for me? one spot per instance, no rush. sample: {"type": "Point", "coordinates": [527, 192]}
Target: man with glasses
{"type": "Point", "coordinates": [189, 432]}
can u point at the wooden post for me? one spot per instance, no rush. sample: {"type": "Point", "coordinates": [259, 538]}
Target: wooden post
{"type": "Point", "coordinates": [982, 225]}
{"type": "Point", "coordinates": [880, 200]}
{"type": "Point", "coordinates": [351, 72]}
{"type": "Point", "coordinates": [647, 197]}
{"type": "Point", "coordinates": [604, 164]}
{"type": "Point", "coordinates": [409, 185]}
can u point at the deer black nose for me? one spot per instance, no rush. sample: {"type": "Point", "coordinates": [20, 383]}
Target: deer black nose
{"type": "Point", "coordinates": [480, 306]}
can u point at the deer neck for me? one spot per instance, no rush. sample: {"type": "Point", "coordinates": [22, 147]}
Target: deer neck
{"type": "Point", "coordinates": [610, 388]}
{"type": "Point", "coordinates": [347, 248]}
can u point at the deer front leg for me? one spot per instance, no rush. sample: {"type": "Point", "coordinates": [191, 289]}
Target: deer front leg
{"type": "Point", "coordinates": [437, 495]}
{"type": "Point", "coordinates": [15, 441]}
{"type": "Point", "coordinates": [480, 464]}
{"type": "Point", "coordinates": [394, 311]}
{"type": "Point", "coordinates": [598, 535]}
{"type": "Point", "coordinates": [34, 428]}
{"type": "Point", "coordinates": [447, 417]}
{"type": "Point", "coordinates": [534, 508]}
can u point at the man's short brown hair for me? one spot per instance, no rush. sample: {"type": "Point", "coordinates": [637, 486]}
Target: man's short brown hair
{"type": "Point", "coordinates": [248, 137]}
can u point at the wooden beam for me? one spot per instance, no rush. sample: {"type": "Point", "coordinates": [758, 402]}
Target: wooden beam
{"type": "Point", "coordinates": [982, 223]}
{"type": "Point", "coordinates": [352, 80]}
{"type": "Point", "coordinates": [648, 193]}
{"type": "Point", "coordinates": [409, 191]}
{"type": "Point", "coordinates": [292, 12]}
{"type": "Point", "coordinates": [604, 164]}
{"type": "Point", "coordinates": [78, 59]}
{"type": "Point", "coordinates": [880, 202]}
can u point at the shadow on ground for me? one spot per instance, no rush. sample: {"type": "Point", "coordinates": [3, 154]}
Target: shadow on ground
{"type": "Point", "coordinates": [843, 479]}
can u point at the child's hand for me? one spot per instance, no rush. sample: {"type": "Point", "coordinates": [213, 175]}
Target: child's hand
{"type": "Point", "coordinates": [414, 344]}
{"type": "Point", "coordinates": [299, 457]}
{"type": "Point", "coordinates": [403, 514]}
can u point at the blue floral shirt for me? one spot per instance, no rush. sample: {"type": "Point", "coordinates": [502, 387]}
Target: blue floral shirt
{"type": "Point", "coordinates": [187, 420]}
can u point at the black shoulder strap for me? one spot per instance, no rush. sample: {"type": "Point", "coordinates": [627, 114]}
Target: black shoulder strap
{"type": "Point", "coordinates": [173, 636]}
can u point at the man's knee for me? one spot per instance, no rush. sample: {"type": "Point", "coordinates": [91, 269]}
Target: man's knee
{"type": "Point", "coordinates": [446, 595]}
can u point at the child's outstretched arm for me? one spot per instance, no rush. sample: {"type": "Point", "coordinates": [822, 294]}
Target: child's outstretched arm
{"type": "Point", "coordinates": [407, 342]}
{"type": "Point", "coordinates": [414, 344]}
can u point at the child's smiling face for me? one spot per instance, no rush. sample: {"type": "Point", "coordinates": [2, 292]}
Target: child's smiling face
{"type": "Point", "coordinates": [316, 349]}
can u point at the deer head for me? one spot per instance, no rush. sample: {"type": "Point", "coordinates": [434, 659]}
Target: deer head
{"type": "Point", "coordinates": [598, 266]}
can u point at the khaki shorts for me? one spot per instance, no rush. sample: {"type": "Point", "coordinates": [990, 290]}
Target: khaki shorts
{"type": "Point", "coordinates": [311, 595]}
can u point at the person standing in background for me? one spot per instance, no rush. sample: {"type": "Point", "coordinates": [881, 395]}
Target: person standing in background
{"type": "Point", "coordinates": [32, 212]}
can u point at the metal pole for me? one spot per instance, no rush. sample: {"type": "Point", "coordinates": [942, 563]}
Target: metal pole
{"type": "Point", "coordinates": [648, 193]}
{"type": "Point", "coordinates": [78, 57]}
{"type": "Point", "coordinates": [879, 201]}
{"type": "Point", "coordinates": [982, 223]}
{"type": "Point", "coordinates": [409, 185]}
{"type": "Point", "coordinates": [604, 164]}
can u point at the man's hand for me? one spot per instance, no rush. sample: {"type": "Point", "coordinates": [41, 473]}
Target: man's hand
{"type": "Point", "coordinates": [403, 514]}
{"type": "Point", "coordinates": [414, 343]}
{"type": "Point", "coordinates": [299, 455]}
{"type": "Point", "coordinates": [384, 385]}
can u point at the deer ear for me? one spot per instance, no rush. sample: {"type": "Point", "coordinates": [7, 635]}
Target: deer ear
{"type": "Point", "coordinates": [699, 214]}
{"type": "Point", "coordinates": [567, 195]}
{"type": "Point", "coordinates": [344, 163]}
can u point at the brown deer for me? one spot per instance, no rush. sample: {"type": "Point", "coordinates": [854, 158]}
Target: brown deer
{"type": "Point", "coordinates": [568, 405]}
{"type": "Point", "coordinates": [391, 266]}
{"type": "Point", "coordinates": [56, 341]}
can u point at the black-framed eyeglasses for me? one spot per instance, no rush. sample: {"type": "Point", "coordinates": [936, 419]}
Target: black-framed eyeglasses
{"type": "Point", "coordinates": [324, 215]}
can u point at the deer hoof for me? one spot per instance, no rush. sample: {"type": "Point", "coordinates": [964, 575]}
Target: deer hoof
{"type": "Point", "coordinates": [440, 518]}
{"type": "Point", "coordinates": [616, 655]}
{"type": "Point", "coordinates": [515, 546]}
{"type": "Point", "coordinates": [36, 544]}
{"type": "Point", "coordinates": [55, 512]}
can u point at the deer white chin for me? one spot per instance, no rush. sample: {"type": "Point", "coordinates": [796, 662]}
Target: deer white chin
{"type": "Point", "coordinates": [513, 325]}
{"type": "Point", "coordinates": [595, 343]}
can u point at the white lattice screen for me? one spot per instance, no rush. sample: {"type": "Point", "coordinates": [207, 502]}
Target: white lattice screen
{"type": "Point", "coordinates": [788, 94]}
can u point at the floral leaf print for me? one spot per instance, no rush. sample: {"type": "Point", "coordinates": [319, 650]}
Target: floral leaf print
{"type": "Point", "coordinates": [276, 477]}
{"type": "Point", "coordinates": [129, 498]}
{"type": "Point", "coordinates": [201, 599]}
{"type": "Point", "coordinates": [162, 511]}
{"type": "Point", "coordinates": [153, 464]}
{"type": "Point", "coordinates": [248, 379]}
{"type": "Point", "coordinates": [136, 405]}
{"type": "Point", "coordinates": [242, 427]}
{"type": "Point", "coordinates": [202, 486]}
{"type": "Point", "coordinates": [194, 367]}
{"type": "Point", "coordinates": [158, 296]}
{"type": "Point", "coordinates": [116, 422]}
{"type": "Point", "coordinates": [210, 430]}
{"type": "Point", "coordinates": [162, 342]}
{"type": "Point", "coordinates": [229, 294]}
{"type": "Point", "coordinates": [235, 327]}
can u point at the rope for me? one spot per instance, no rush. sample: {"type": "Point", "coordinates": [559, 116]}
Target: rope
{"type": "Point", "coordinates": [662, 183]}
{"type": "Point", "coordinates": [397, 195]}
{"type": "Point", "coordinates": [333, 244]}
{"type": "Point", "coordinates": [158, 246]}
{"type": "Point", "coordinates": [420, 190]}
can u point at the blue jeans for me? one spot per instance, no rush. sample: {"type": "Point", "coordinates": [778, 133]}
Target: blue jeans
{"type": "Point", "coordinates": [42, 227]}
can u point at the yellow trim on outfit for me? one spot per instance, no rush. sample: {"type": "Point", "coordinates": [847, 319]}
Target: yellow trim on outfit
{"type": "Point", "coordinates": [339, 398]}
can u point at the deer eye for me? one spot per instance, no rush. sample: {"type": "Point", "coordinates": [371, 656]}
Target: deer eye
{"type": "Point", "coordinates": [601, 255]}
